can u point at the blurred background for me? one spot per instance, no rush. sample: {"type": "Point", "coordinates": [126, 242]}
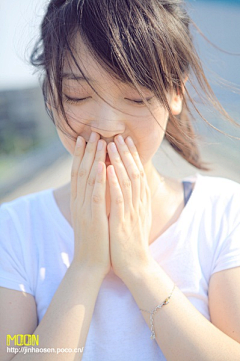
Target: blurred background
{"type": "Point", "coordinates": [31, 156]}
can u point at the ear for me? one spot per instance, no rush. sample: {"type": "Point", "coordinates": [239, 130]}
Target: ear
{"type": "Point", "coordinates": [176, 101]}
{"type": "Point", "coordinates": [176, 104]}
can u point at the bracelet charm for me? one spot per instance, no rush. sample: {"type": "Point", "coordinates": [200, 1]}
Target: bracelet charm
{"type": "Point", "coordinates": [152, 313]}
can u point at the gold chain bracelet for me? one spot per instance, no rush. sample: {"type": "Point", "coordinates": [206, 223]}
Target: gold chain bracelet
{"type": "Point", "coordinates": [165, 302]}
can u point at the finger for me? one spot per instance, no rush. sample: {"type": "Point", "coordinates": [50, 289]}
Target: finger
{"type": "Point", "coordinates": [99, 192]}
{"type": "Point", "coordinates": [131, 168]}
{"type": "Point", "coordinates": [85, 167]}
{"type": "Point", "coordinates": [117, 200]}
{"type": "Point", "coordinates": [122, 175]}
{"type": "Point", "coordinates": [77, 158]}
{"type": "Point", "coordinates": [100, 156]}
{"type": "Point", "coordinates": [144, 191]}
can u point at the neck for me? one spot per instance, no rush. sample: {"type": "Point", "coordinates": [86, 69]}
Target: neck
{"type": "Point", "coordinates": [155, 180]}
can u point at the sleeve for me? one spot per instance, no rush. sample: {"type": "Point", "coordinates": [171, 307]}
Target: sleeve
{"type": "Point", "coordinates": [228, 254]}
{"type": "Point", "coordinates": [12, 263]}
{"type": "Point", "coordinates": [227, 251]}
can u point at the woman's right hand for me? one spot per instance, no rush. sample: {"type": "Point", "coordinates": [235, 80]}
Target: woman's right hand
{"type": "Point", "coordinates": [88, 205]}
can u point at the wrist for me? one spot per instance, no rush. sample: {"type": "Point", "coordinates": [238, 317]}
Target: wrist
{"type": "Point", "coordinates": [92, 273]}
{"type": "Point", "coordinates": [137, 271]}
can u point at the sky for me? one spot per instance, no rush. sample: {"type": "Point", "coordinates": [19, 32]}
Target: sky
{"type": "Point", "coordinates": [19, 27]}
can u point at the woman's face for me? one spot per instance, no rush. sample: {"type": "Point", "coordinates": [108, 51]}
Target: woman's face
{"type": "Point", "coordinates": [117, 108]}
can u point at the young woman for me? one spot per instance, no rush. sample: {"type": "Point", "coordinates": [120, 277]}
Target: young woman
{"type": "Point", "coordinates": [122, 263]}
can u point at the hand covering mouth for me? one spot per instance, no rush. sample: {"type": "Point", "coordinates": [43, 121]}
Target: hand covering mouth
{"type": "Point", "coordinates": [107, 160]}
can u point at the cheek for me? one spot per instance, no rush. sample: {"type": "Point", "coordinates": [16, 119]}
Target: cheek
{"type": "Point", "coordinates": [77, 119]}
{"type": "Point", "coordinates": [161, 120]}
{"type": "Point", "coordinates": [150, 145]}
{"type": "Point", "coordinates": [68, 136]}
{"type": "Point", "coordinates": [67, 142]}
{"type": "Point", "coordinates": [153, 135]}
{"type": "Point", "coordinates": [161, 115]}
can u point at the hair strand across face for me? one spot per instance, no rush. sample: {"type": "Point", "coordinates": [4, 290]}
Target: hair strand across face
{"type": "Point", "coordinates": [142, 43]}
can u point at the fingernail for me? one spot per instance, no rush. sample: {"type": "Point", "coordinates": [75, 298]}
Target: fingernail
{"type": "Point", "coordinates": [79, 141]}
{"type": "Point", "coordinates": [113, 147]}
{"type": "Point", "coordinates": [130, 142]}
{"type": "Point", "coordinates": [120, 139]}
{"type": "Point", "coordinates": [100, 145]}
{"type": "Point", "coordinates": [93, 137]}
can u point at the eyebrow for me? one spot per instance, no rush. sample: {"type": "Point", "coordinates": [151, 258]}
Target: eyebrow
{"type": "Point", "coordinates": [77, 77]}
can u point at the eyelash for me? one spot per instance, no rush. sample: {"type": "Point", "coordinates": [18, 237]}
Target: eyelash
{"type": "Point", "coordinates": [76, 101]}
{"type": "Point", "coordinates": [141, 101]}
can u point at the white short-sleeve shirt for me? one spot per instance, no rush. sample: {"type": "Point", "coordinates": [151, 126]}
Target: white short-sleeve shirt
{"type": "Point", "coordinates": [37, 244]}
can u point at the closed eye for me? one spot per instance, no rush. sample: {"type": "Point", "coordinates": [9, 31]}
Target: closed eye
{"type": "Point", "coordinates": [140, 101]}
{"type": "Point", "coordinates": [74, 100]}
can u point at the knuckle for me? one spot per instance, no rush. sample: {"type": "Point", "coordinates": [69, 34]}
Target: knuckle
{"type": "Point", "coordinates": [91, 181]}
{"type": "Point", "coordinates": [82, 172]}
{"type": "Point", "coordinates": [119, 200]}
{"type": "Point", "coordinates": [126, 183]}
{"type": "Point", "coordinates": [74, 173]}
{"type": "Point", "coordinates": [115, 182]}
{"type": "Point", "coordinates": [118, 160]}
{"type": "Point", "coordinates": [97, 199]}
{"type": "Point", "coordinates": [135, 175]}
{"type": "Point", "coordinates": [100, 180]}
{"type": "Point", "coordinates": [141, 173]}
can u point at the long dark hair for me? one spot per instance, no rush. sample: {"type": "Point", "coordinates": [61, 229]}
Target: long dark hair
{"type": "Point", "coordinates": [141, 42]}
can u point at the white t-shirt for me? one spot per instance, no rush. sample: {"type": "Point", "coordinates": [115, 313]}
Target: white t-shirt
{"type": "Point", "coordinates": [37, 243]}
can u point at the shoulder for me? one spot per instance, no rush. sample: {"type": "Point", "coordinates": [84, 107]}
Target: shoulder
{"type": "Point", "coordinates": [22, 223]}
{"type": "Point", "coordinates": [20, 209]}
{"type": "Point", "coordinates": [218, 190]}
{"type": "Point", "coordinates": [217, 201]}
{"type": "Point", "coordinates": [214, 219]}
{"type": "Point", "coordinates": [218, 185]}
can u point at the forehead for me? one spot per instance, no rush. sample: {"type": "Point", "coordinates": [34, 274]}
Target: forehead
{"type": "Point", "coordinates": [93, 71]}
{"type": "Point", "coordinates": [88, 64]}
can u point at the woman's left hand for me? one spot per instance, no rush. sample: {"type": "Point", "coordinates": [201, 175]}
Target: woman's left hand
{"type": "Point", "coordinates": [130, 216]}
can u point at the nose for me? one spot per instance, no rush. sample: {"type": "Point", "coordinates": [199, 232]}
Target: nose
{"type": "Point", "coordinates": [109, 122]}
